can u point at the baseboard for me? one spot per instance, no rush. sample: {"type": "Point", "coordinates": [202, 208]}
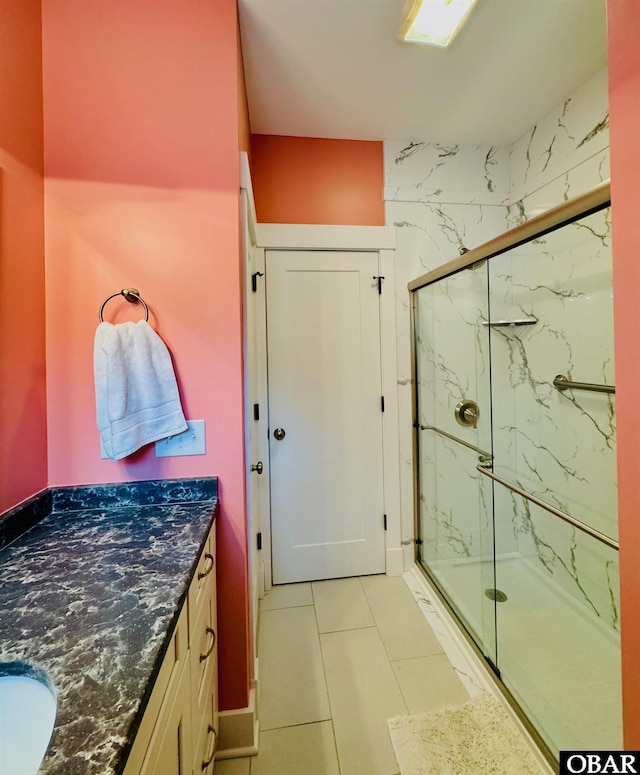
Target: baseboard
{"type": "Point", "coordinates": [394, 562]}
{"type": "Point", "coordinates": [239, 731]}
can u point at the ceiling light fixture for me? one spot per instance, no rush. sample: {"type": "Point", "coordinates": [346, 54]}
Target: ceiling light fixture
{"type": "Point", "coordinates": [435, 22]}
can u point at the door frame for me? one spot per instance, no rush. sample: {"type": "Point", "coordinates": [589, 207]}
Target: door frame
{"type": "Point", "coordinates": [381, 240]}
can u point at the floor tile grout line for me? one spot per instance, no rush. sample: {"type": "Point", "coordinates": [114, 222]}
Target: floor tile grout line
{"type": "Point", "coordinates": [335, 746]}
{"type": "Point", "coordinates": [349, 629]}
{"type": "Point", "coordinates": [302, 724]}
{"type": "Point", "coordinates": [384, 646]}
{"type": "Point", "coordinates": [422, 656]}
{"type": "Point", "coordinates": [326, 683]}
{"type": "Point", "coordinates": [366, 597]}
{"type": "Point", "coordinates": [386, 652]}
{"type": "Point", "coordinates": [286, 607]}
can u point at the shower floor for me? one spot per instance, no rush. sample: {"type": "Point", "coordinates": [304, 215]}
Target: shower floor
{"type": "Point", "coordinates": [560, 662]}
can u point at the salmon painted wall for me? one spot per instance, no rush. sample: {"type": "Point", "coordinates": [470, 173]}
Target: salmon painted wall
{"type": "Point", "coordinates": [142, 189]}
{"type": "Point", "coordinates": [624, 101]}
{"type": "Point", "coordinates": [310, 180]}
{"type": "Point", "coordinates": [23, 422]}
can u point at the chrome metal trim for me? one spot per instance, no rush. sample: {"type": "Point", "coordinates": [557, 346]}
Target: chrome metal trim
{"type": "Point", "coordinates": [416, 428]}
{"type": "Point", "coordinates": [486, 455]}
{"type": "Point", "coordinates": [562, 383]}
{"type": "Point", "coordinates": [467, 413]}
{"type": "Point", "coordinates": [484, 469]}
{"type": "Point", "coordinates": [578, 207]}
{"type": "Point", "coordinates": [132, 295]}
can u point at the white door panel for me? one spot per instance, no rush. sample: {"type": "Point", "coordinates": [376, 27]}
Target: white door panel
{"type": "Point", "coordinates": [325, 392]}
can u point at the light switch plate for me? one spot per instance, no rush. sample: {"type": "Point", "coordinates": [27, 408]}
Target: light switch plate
{"type": "Point", "coordinates": [189, 442]}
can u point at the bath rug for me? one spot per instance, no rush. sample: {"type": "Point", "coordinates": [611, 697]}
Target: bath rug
{"type": "Point", "coordinates": [476, 738]}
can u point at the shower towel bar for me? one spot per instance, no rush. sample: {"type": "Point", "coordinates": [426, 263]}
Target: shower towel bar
{"type": "Point", "coordinates": [455, 438]}
{"type": "Point", "coordinates": [562, 383]}
{"type": "Point", "coordinates": [132, 295]}
{"type": "Point", "coordinates": [485, 469]}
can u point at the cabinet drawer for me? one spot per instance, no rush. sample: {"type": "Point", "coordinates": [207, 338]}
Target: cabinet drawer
{"type": "Point", "coordinates": [170, 751]}
{"type": "Point", "coordinates": [204, 658]}
{"type": "Point", "coordinates": [165, 688]}
{"type": "Point", "coordinates": [206, 743]}
{"type": "Point", "coordinates": [203, 583]}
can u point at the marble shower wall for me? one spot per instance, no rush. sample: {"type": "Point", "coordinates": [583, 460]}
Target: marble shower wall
{"type": "Point", "coordinates": [440, 199]}
{"type": "Point", "coordinates": [559, 446]}
{"type": "Point", "coordinates": [563, 155]}
{"type": "Point", "coordinates": [443, 198]}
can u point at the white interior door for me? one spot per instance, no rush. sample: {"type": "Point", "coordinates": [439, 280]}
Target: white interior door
{"type": "Point", "coordinates": [325, 415]}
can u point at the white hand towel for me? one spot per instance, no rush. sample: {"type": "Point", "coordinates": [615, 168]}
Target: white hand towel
{"type": "Point", "coordinates": [137, 400]}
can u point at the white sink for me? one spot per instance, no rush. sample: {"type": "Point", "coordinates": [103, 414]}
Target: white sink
{"type": "Point", "coordinates": [27, 714]}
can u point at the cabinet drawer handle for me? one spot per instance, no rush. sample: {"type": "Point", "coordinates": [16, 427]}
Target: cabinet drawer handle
{"type": "Point", "coordinates": [209, 758]}
{"type": "Point", "coordinates": [203, 574]}
{"type": "Point", "coordinates": [210, 631]}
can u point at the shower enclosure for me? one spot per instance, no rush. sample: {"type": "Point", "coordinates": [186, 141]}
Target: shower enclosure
{"type": "Point", "coordinates": [515, 465]}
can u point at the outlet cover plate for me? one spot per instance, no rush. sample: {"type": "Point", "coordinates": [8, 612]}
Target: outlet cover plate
{"type": "Point", "coordinates": [189, 442]}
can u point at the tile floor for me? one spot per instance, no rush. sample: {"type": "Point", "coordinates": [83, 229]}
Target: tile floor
{"type": "Point", "coordinates": [337, 659]}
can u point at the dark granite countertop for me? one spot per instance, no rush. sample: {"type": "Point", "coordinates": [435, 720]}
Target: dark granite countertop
{"type": "Point", "coordinates": [91, 595]}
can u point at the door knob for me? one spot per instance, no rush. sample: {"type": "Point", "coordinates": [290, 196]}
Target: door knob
{"type": "Point", "coordinates": [279, 433]}
{"type": "Point", "coordinates": [258, 468]}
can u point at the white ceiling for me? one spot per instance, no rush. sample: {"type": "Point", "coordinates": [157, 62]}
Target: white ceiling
{"type": "Point", "coordinates": [333, 68]}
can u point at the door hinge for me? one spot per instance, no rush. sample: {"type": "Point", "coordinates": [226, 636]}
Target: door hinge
{"type": "Point", "coordinates": [258, 541]}
{"type": "Point", "coordinates": [379, 278]}
{"type": "Point", "coordinates": [385, 521]}
{"type": "Point", "coordinates": [382, 403]}
{"type": "Point", "coordinates": [256, 412]}
{"type": "Point", "coordinates": [254, 280]}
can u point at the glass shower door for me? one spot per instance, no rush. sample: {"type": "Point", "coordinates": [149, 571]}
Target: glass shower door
{"type": "Point", "coordinates": [516, 489]}
{"type": "Point", "coordinates": [453, 433]}
{"type": "Point", "coordinates": [557, 629]}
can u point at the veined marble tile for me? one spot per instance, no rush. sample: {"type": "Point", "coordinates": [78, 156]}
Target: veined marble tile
{"type": "Point", "coordinates": [581, 570]}
{"type": "Point", "coordinates": [560, 446]}
{"type": "Point", "coordinates": [444, 196]}
{"type": "Point", "coordinates": [428, 236]}
{"type": "Point", "coordinates": [568, 136]}
{"type": "Point", "coordinates": [471, 678]}
{"type": "Point", "coordinates": [435, 168]}
{"type": "Point", "coordinates": [569, 184]}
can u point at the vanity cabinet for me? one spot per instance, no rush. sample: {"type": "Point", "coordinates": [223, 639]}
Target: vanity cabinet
{"type": "Point", "coordinates": [203, 658]}
{"type": "Point", "coordinates": [179, 729]}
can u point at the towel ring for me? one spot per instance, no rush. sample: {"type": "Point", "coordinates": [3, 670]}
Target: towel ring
{"type": "Point", "coordinates": [132, 295]}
